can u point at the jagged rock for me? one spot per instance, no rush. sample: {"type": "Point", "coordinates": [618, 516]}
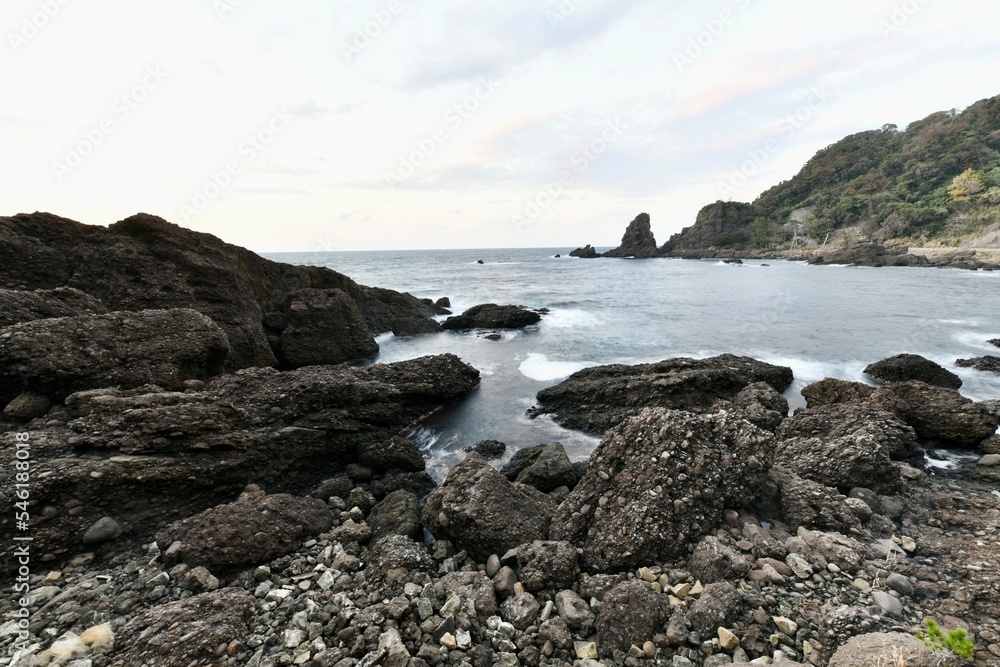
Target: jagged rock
{"type": "Point", "coordinates": [414, 326]}
{"type": "Point", "coordinates": [714, 561]}
{"type": "Point", "coordinates": [638, 240]}
{"type": "Point", "coordinates": [845, 445]}
{"type": "Point", "coordinates": [876, 649]}
{"type": "Point", "coordinates": [943, 414]}
{"type": "Point", "coordinates": [483, 512]}
{"type": "Point", "coordinates": [395, 454]}
{"type": "Point", "coordinates": [830, 390]}
{"type": "Point", "coordinates": [721, 224]}
{"type": "Point", "coordinates": [488, 449]}
{"type": "Point", "coordinates": [847, 553]}
{"type": "Point", "coordinates": [586, 252]}
{"type": "Point", "coordinates": [545, 467]}
{"type": "Point", "coordinates": [988, 363]}
{"type": "Point", "coordinates": [719, 604]}
{"type": "Point", "coordinates": [472, 586]}
{"type": "Point", "coordinates": [57, 357]}
{"type": "Point", "coordinates": [547, 565]}
{"type": "Point", "coordinates": [145, 262]}
{"type": "Point", "coordinates": [396, 514]}
{"type": "Point", "coordinates": [254, 529]}
{"type": "Point", "coordinates": [667, 468]}
{"type": "Point", "coordinates": [188, 631]}
{"type": "Point", "coordinates": [396, 551]}
{"type": "Point", "coordinates": [803, 502]}
{"type": "Point", "coordinates": [760, 404]}
{"type": "Point", "coordinates": [492, 316]}
{"type": "Point", "coordinates": [27, 305]}
{"type": "Point", "coordinates": [324, 326]}
{"type": "Point", "coordinates": [904, 367]}
{"type": "Point", "coordinates": [520, 610]}
{"type": "Point", "coordinates": [631, 613]}
{"type": "Point", "coordinates": [595, 399]}
{"type": "Point", "coordinates": [868, 253]}
{"type": "Point", "coordinates": [574, 610]}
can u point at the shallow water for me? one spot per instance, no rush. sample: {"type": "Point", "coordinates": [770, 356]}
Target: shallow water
{"type": "Point", "coordinates": [822, 321]}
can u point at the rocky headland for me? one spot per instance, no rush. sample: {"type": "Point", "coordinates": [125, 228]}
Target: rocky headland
{"type": "Point", "coordinates": [196, 494]}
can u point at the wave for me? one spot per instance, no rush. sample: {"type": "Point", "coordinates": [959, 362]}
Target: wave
{"type": "Point", "coordinates": [538, 367]}
{"type": "Point", "coordinates": [570, 318]}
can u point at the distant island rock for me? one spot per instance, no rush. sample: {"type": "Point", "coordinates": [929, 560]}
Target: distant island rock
{"type": "Point", "coordinates": [492, 316]}
{"type": "Point", "coordinates": [586, 252]}
{"type": "Point", "coordinates": [638, 240]}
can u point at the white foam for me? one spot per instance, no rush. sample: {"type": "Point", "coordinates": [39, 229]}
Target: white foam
{"type": "Point", "coordinates": [538, 367]}
{"type": "Point", "coordinates": [570, 318]}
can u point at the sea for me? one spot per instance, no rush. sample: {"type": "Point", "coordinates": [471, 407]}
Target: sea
{"type": "Point", "coordinates": [822, 321]}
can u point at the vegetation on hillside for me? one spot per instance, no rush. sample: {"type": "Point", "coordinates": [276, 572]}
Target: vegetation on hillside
{"type": "Point", "coordinates": [936, 183]}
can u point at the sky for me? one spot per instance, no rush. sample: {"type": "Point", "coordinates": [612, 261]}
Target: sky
{"type": "Point", "coordinates": [386, 124]}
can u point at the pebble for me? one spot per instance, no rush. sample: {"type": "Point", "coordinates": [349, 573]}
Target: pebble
{"type": "Point", "coordinates": [727, 640]}
{"type": "Point", "coordinates": [899, 583]}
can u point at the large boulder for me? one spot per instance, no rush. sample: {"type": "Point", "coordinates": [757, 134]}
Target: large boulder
{"type": "Point", "coordinates": [186, 632]}
{"type": "Point", "coordinates": [877, 649]}
{"type": "Point", "coordinates": [324, 326]}
{"type": "Point", "coordinates": [484, 513]}
{"type": "Point", "coordinates": [631, 613]}
{"type": "Point", "coordinates": [945, 415]}
{"type": "Point", "coordinates": [638, 240]}
{"type": "Point", "coordinates": [586, 252]}
{"type": "Point", "coordinates": [492, 316]}
{"type": "Point", "coordinates": [396, 514]}
{"type": "Point", "coordinates": [845, 445]}
{"type": "Point", "coordinates": [666, 468]}
{"type": "Point", "coordinates": [181, 453]}
{"type": "Point", "coordinates": [903, 367]}
{"type": "Point", "coordinates": [988, 363]}
{"type": "Point", "coordinates": [595, 399]}
{"type": "Point", "coordinates": [761, 404]}
{"type": "Point", "coordinates": [57, 357]}
{"type": "Point", "coordinates": [545, 467]}
{"type": "Point", "coordinates": [545, 565]}
{"type": "Point", "coordinates": [24, 306]}
{"type": "Point", "coordinates": [254, 529]}
{"type": "Point", "coordinates": [145, 262]}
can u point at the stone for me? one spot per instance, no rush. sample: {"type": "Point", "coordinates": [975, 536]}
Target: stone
{"type": "Point", "coordinates": [574, 610]}
{"type": "Point", "coordinates": [945, 415]}
{"type": "Point", "coordinates": [42, 304]}
{"type": "Point", "coordinates": [323, 326]}
{"type": "Point", "coordinates": [99, 638]}
{"type": "Point", "coordinates": [989, 460]}
{"type": "Point", "coordinates": [492, 316]}
{"type": "Point", "coordinates": [104, 529]}
{"type": "Point", "coordinates": [414, 326]}
{"type": "Point", "coordinates": [714, 561]}
{"type": "Point", "coordinates": [488, 449]}
{"type": "Point", "coordinates": [394, 454]}
{"type": "Point", "coordinates": [727, 640]}
{"type": "Point", "coordinates": [905, 367]}
{"type": "Point", "coordinates": [27, 406]}
{"type": "Point", "coordinates": [668, 468]}
{"type": "Point", "coordinates": [545, 467]}
{"type": "Point", "coordinates": [396, 514]}
{"type": "Point", "coordinates": [889, 604]}
{"type": "Point", "coordinates": [883, 648]}
{"type": "Point", "coordinates": [396, 551]}
{"type": "Point", "coordinates": [899, 583]}
{"type": "Point", "coordinates": [719, 604]}
{"type": "Point", "coordinates": [544, 564]}
{"type": "Point", "coordinates": [638, 240]}
{"type": "Point", "coordinates": [630, 613]}
{"type": "Point", "coordinates": [786, 625]}
{"type": "Point", "coordinates": [520, 610]}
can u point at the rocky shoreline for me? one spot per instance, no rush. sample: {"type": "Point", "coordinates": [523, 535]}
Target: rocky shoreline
{"type": "Point", "coordinates": [188, 509]}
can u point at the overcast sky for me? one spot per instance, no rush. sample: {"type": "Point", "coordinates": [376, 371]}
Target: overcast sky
{"type": "Point", "coordinates": [327, 124]}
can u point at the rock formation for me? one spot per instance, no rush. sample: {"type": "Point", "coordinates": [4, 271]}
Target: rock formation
{"type": "Point", "coordinates": [638, 240]}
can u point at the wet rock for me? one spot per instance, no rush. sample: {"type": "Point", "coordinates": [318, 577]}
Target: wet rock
{"type": "Point", "coordinates": [944, 414]}
{"type": "Point", "coordinates": [187, 631]}
{"type": "Point", "coordinates": [586, 252]}
{"type": "Point", "coordinates": [988, 363]}
{"type": "Point", "coordinates": [414, 326]}
{"type": "Point", "coordinates": [254, 529]}
{"type": "Point", "coordinates": [484, 512]}
{"type": "Point", "coordinates": [323, 326]}
{"type": "Point", "coordinates": [57, 357]}
{"type": "Point", "coordinates": [396, 514]}
{"type": "Point", "coordinates": [488, 449]}
{"type": "Point", "coordinates": [394, 454]}
{"type": "Point", "coordinates": [665, 468]}
{"type": "Point", "coordinates": [905, 367]}
{"type": "Point", "coordinates": [545, 467]}
{"type": "Point", "coordinates": [595, 399]}
{"type": "Point", "coordinates": [631, 613]}
{"type": "Point", "coordinates": [492, 316]}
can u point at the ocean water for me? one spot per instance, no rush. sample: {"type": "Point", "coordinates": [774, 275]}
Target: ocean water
{"type": "Point", "coordinates": [822, 321]}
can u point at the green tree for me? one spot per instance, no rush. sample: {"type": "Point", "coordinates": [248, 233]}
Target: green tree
{"type": "Point", "coordinates": [966, 185]}
{"type": "Point", "coordinates": [760, 237]}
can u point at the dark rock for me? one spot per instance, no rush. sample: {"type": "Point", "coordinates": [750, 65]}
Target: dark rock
{"type": "Point", "coordinates": [394, 454]}
{"type": "Point", "coordinates": [488, 449]}
{"type": "Point", "coordinates": [595, 399]}
{"type": "Point", "coordinates": [104, 530]}
{"type": "Point", "coordinates": [144, 262]}
{"type": "Point", "coordinates": [868, 253]}
{"type": "Point", "coordinates": [414, 326]}
{"type": "Point", "coordinates": [884, 648]}
{"type": "Point", "coordinates": [520, 610]}
{"type": "Point", "coordinates": [254, 529]}
{"type": "Point", "coordinates": [732, 260]}
{"type": "Point", "coordinates": [904, 367]}
{"type": "Point", "coordinates": [188, 631]}
{"type": "Point", "coordinates": [719, 604]}
{"type": "Point", "coordinates": [638, 240]}
{"type": "Point", "coordinates": [547, 565]}
{"type": "Point", "coordinates": [575, 611]}
{"type": "Point", "coordinates": [479, 261]}
{"type": "Point", "coordinates": [586, 252]}
{"type": "Point", "coordinates": [631, 613]}
{"type": "Point", "coordinates": [760, 404]}
{"type": "Point", "coordinates": [396, 514]}
{"type": "Point", "coordinates": [324, 326]}
{"type": "Point", "coordinates": [988, 363]}
{"type": "Point", "coordinates": [472, 586]}
{"type": "Point", "coordinates": [831, 390]}
{"type": "Point", "coordinates": [666, 468]}
{"type": "Point", "coordinates": [845, 445]}
{"type": "Point", "coordinates": [484, 513]}
{"type": "Point", "coordinates": [26, 406]}
{"type": "Point", "coordinates": [945, 415]}
{"type": "Point", "coordinates": [492, 316]}
{"type": "Point", "coordinates": [443, 302]}
{"type": "Point", "coordinates": [803, 502]}
{"type": "Point", "coordinates": [714, 561]}
{"type": "Point", "coordinates": [57, 357]}
{"type": "Point", "coordinates": [721, 224]}
{"type": "Point", "coordinates": [339, 486]}
{"type": "Point", "coordinates": [418, 483]}
{"type": "Point", "coordinates": [396, 551]}
{"type": "Point", "coordinates": [557, 255]}
{"type": "Point", "coordinates": [545, 467]}
{"type": "Point", "coordinates": [25, 306]}
{"type": "Point", "coordinates": [995, 342]}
